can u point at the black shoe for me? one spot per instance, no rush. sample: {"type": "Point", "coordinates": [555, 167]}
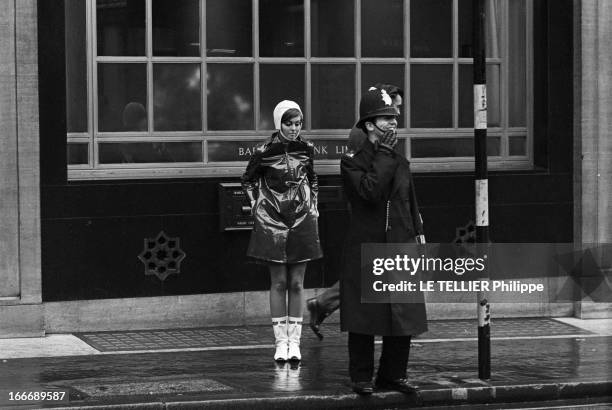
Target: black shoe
{"type": "Point", "coordinates": [316, 316]}
{"type": "Point", "coordinates": [400, 385]}
{"type": "Point", "coordinates": [363, 388]}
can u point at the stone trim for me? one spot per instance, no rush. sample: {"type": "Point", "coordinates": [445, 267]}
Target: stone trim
{"type": "Point", "coordinates": [593, 132]}
{"type": "Point", "coordinates": [232, 309]}
{"type": "Point", "coordinates": [20, 270]}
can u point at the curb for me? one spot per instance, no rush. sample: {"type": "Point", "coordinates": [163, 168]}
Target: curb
{"type": "Point", "coordinates": [516, 393]}
{"type": "Point", "coordinates": [423, 398]}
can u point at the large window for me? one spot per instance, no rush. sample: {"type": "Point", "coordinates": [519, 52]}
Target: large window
{"type": "Point", "coordinates": [162, 88]}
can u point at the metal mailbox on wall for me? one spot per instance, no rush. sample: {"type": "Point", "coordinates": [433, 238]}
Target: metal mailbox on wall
{"type": "Point", "coordinates": [234, 208]}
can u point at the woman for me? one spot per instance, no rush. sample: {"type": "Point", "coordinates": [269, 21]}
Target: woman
{"type": "Point", "coordinates": [282, 186]}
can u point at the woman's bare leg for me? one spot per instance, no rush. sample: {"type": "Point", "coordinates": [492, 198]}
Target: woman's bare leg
{"type": "Point", "coordinates": [278, 290]}
{"type": "Point", "coordinates": [296, 288]}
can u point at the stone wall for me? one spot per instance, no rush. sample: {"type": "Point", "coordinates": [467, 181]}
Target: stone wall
{"type": "Point", "coordinates": [20, 273]}
{"type": "Point", "coordinates": [593, 128]}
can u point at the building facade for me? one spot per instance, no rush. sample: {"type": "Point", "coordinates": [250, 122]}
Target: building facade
{"type": "Point", "coordinates": [127, 123]}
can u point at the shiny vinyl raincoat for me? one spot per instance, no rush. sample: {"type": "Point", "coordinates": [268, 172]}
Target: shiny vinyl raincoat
{"type": "Point", "coordinates": [281, 178]}
{"type": "Point", "coordinates": [383, 209]}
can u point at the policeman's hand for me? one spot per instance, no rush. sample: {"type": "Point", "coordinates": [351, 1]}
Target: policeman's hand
{"type": "Point", "coordinates": [388, 140]}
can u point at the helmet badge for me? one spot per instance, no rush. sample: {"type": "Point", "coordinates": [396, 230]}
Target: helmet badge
{"type": "Point", "coordinates": [383, 93]}
{"type": "Point", "coordinates": [386, 97]}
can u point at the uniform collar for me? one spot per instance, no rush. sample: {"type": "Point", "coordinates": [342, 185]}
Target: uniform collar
{"type": "Point", "coordinates": [367, 147]}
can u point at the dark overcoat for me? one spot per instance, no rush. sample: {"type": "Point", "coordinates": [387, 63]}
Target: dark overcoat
{"type": "Point", "coordinates": [383, 209]}
{"type": "Point", "coordinates": [281, 179]}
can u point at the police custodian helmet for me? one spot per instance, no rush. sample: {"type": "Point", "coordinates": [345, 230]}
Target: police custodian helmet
{"type": "Point", "coordinates": [374, 103]}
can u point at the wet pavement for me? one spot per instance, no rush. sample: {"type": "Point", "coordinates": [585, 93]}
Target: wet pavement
{"type": "Point", "coordinates": [564, 362]}
{"type": "Point", "coordinates": [222, 337]}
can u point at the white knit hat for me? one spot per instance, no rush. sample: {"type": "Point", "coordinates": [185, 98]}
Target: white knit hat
{"type": "Point", "coordinates": [281, 108]}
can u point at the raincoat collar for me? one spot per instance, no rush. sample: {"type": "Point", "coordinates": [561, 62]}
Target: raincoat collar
{"type": "Point", "coordinates": [278, 137]}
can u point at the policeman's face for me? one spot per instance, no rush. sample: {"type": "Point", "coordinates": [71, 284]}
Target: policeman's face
{"type": "Point", "coordinates": [385, 123]}
{"type": "Point", "coordinates": [291, 128]}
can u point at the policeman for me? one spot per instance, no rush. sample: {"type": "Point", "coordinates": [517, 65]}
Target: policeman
{"type": "Point", "coordinates": [326, 303]}
{"type": "Point", "coordinates": [380, 190]}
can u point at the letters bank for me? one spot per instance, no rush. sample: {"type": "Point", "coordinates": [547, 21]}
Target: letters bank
{"type": "Point", "coordinates": [325, 151]}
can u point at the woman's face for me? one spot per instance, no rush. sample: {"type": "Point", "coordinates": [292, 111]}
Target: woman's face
{"type": "Point", "coordinates": [291, 128]}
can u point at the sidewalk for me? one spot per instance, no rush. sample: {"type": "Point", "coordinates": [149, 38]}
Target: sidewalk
{"type": "Point", "coordinates": [532, 360]}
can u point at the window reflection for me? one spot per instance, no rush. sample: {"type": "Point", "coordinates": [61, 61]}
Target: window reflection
{"type": "Point", "coordinates": [279, 82]}
{"type": "Point", "coordinates": [228, 28]}
{"type": "Point", "coordinates": [126, 82]}
{"type": "Point", "coordinates": [281, 28]}
{"type": "Point", "coordinates": [176, 97]}
{"type": "Point", "coordinates": [143, 152]}
{"type": "Point", "coordinates": [76, 66]}
{"type": "Point", "coordinates": [176, 28]}
{"type": "Point", "coordinates": [230, 97]}
{"type": "Point", "coordinates": [333, 91]}
{"type": "Point", "coordinates": [382, 28]}
{"type": "Point", "coordinates": [451, 147]}
{"type": "Point", "coordinates": [517, 66]}
{"type": "Point", "coordinates": [431, 96]}
{"type": "Point", "coordinates": [431, 23]}
{"type": "Point", "coordinates": [122, 96]}
{"type": "Point", "coordinates": [517, 146]}
{"type": "Point", "coordinates": [121, 27]}
{"type": "Point", "coordinates": [134, 117]}
{"type": "Point", "coordinates": [492, 27]}
{"type": "Point", "coordinates": [77, 153]}
{"type": "Point", "coordinates": [332, 28]}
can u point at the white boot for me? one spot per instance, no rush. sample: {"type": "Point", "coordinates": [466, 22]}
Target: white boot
{"type": "Point", "coordinates": [279, 324]}
{"type": "Point", "coordinates": [295, 334]}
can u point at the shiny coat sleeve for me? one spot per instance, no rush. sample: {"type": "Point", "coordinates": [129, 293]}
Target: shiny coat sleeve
{"type": "Point", "coordinates": [313, 179]}
{"type": "Point", "coordinates": [251, 175]}
{"type": "Point", "coordinates": [372, 182]}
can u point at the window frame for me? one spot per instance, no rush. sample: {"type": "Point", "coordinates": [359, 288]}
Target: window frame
{"type": "Point", "coordinates": [93, 170]}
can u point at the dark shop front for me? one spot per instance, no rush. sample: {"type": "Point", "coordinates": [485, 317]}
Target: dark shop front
{"type": "Point", "coordinates": [150, 109]}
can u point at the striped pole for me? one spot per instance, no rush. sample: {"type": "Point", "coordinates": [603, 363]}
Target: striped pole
{"type": "Point", "coordinates": [481, 181]}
